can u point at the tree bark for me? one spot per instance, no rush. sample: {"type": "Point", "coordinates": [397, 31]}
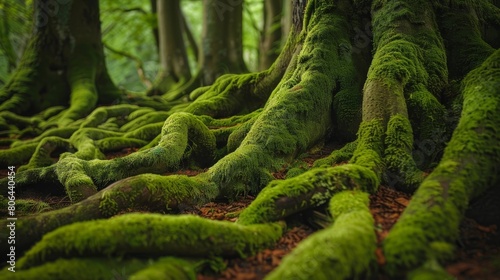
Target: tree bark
{"type": "Point", "coordinates": [174, 64]}
{"type": "Point", "coordinates": [270, 39]}
{"type": "Point", "coordinates": [65, 53]}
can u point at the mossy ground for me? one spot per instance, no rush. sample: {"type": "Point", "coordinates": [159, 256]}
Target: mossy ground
{"type": "Point", "coordinates": [253, 125]}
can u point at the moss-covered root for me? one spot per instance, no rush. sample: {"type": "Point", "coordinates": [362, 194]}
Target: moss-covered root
{"type": "Point", "coordinates": [18, 95]}
{"type": "Point", "coordinates": [297, 115]}
{"type": "Point", "coordinates": [338, 156]}
{"type": "Point", "coordinates": [42, 155]}
{"type": "Point", "coordinates": [81, 77]}
{"type": "Point", "coordinates": [469, 166]}
{"type": "Point", "coordinates": [431, 270]}
{"type": "Point", "coordinates": [89, 268]}
{"type": "Point", "coordinates": [184, 137]}
{"type": "Point", "coordinates": [233, 94]}
{"type": "Point", "coordinates": [313, 188]}
{"type": "Point", "coordinates": [146, 192]}
{"type": "Point", "coordinates": [461, 22]}
{"type": "Point", "coordinates": [169, 268]}
{"type": "Point", "coordinates": [18, 155]}
{"type": "Point", "coordinates": [152, 234]}
{"type": "Point", "coordinates": [345, 250]}
{"type": "Point", "coordinates": [402, 171]}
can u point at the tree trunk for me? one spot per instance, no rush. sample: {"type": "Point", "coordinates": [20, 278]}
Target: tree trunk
{"type": "Point", "coordinates": [64, 54]}
{"type": "Point", "coordinates": [389, 70]}
{"type": "Point", "coordinates": [174, 64]}
{"type": "Point", "coordinates": [222, 36]}
{"type": "Point", "coordinates": [270, 40]}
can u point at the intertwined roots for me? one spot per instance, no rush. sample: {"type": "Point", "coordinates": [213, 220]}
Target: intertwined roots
{"type": "Point", "coordinates": [229, 130]}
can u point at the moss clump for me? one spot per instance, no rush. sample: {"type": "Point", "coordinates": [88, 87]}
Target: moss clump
{"type": "Point", "coordinates": [345, 250]}
{"type": "Point", "coordinates": [152, 234]}
{"type": "Point", "coordinates": [467, 169]}
{"type": "Point", "coordinates": [42, 156]}
{"type": "Point", "coordinates": [72, 268]}
{"type": "Point", "coordinates": [82, 70]}
{"type": "Point", "coordinates": [338, 156]}
{"type": "Point", "coordinates": [229, 95]}
{"type": "Point", "coordinates": [402, 172]}
{"type": "Point", "coordinates": [311, 189]}
{"type": "Point", "coordinates": [17, 155]}
{"type": "Point", "coordinates": [169, 268]}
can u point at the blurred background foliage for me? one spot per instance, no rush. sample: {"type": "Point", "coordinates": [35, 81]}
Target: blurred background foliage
{"type": "Point", "coordinates": [127, 27]}
{"type": "Point", "coordinates": [15, 27]}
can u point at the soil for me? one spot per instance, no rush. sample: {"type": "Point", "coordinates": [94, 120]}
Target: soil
{"type": "Point", "coordinates": [477, 254]}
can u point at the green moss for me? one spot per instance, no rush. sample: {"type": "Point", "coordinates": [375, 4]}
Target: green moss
{"type": "Point", "coordinates": [230, 94]}
{"type": "Point", "coordinates": [234, 140]}
{"type": "Point", "coordinates": [65, 132]}
{"type": "Point", "coordinates": [431, 270]}
{"type": "Point", "coordinates": [338, 156]}
{"type": "Point", "coordinates": [282, 198]}
{"type": "Point", "coordinates": [168, 268]}
{"type": "Point", "coordinates": [117, 143]}
{"type": "Point", "coordinates": [462, 32]}
{"type": "Point", "coordinates": [184, 138]}
{"type": "Point", "coordinates": [428, 121]}
{"type": "Point", "coordinates": [184, 235]}
{"type": "Point", "coordinates": [72, 268]}
{"type": "Point", "coordinates": [101, 114]}
{"type": "Point", "coordinates": [42, 156]}
{"type": "Point", "coordinates": [17, 120]}
{"type": "Point", "coordinates": [81, 78]}
{"type": "Point", "coordinates": [369, 149]}
{"type": "Point", "coordinates": [30, 206]}
{"type": "Point", "coordinates": [297, 114]}
{"type": "Point", "coordinates": [71, 173]}
{"type": "Point", "coordinates": [84, 142]}
{"type": "Point", "coordinates": [347, 112]}
{"type": "Point", "coordinates": [243, 171]}
{"type": "Point", "coordinates": [18, 95]}
{"type": "Point", "coordinates": [147, 131]}
{"type": "Point", "coordinates": [345, 250]}
{"type": "Point", "coordinates": [161, 193]}
{"type": "Point", "coordinates": [402, 171]}
{"type": "Point", "coordinates": [230, 121]}
{"type": "Point", "coordinates": [18, 155]}
{"type": "Point", "coordinates": [467, 169]}
{"type": "Point", "coordinates": [146, 119]}
{"type": "Point", "coordinates": [409, 55]}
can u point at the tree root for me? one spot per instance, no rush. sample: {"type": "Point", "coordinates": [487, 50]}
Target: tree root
{"type": "Point", "coordinates": [145, 192]}
{"type": "Point", "coordinates": [72, 268]}
{"type": "Point", "coordinates": [469, 166]}
{"type": "Point", "coordinates": [311, 189]}
{"type": "Point", "coordinates": [184, 235]}
{"type": "Point", "coordinates": [345, 250]}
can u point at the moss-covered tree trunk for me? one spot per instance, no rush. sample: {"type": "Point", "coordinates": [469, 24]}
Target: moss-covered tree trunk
{"type": "Point", "coordinates": [64, 55]}
{"type": "Point", "coordinates": [175, 70]}
{"type": "Point", "coordinates": [387, 79]}
{"type": "Point", "coordinates": [221, 48]}
{"type": "Point", "coordinates": [270, 39]}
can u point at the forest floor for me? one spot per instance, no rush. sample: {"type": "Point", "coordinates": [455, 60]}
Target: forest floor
{"type": "Point", "coordinates": [477, 254]}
